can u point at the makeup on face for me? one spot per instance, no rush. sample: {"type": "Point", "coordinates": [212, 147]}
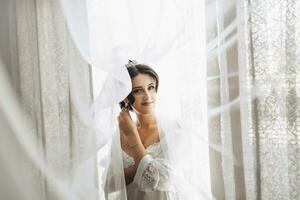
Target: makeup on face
{"type": "Point", "coordinates": [144, 92]}
{"type": "Point", "coordinates": [139, 90]}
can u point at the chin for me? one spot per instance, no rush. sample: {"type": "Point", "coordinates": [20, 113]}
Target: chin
{"type": "Point", "coordinates": [148, 112]}
{"type": "Point", "coordinates": [145, 111]}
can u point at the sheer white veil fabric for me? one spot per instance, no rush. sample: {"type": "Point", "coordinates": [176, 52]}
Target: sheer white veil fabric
{"type": "Point", "coordinates": [169, 36]}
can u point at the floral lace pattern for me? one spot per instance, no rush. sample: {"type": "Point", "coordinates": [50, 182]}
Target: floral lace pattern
{"type": "Point", "coordinates": [150, 177]}
{"type": "Point", "coordinates": [147, 176]}
{"type": "Point", "coordinates": [128, 161]}
{"type": "Point", "coordinates": [152, 149]}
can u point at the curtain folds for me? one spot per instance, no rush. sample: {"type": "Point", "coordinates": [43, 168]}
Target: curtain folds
{"type": "Point", "coordinates": [253, 96]}
{"type": "Point", "coordinates": [38, 53]}
{"type": "Point", "coordinates": [261, 69]}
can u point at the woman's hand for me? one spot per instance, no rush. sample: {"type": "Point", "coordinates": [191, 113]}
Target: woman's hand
{"type": "Point", "coordinates": [130, 140]}
{"type": "Point", "coordinates": [126, 125]}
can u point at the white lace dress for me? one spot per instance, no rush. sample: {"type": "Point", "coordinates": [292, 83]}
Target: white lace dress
{"type": "Point", "coordinates": [151, 179]}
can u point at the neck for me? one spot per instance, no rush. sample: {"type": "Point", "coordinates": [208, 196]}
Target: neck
{"type": "Point", "coordinates": [147, 120]}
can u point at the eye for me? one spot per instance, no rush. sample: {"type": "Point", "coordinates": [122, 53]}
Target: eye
{"type": "Point", "coordinates": [137, 91]}
{"type": "Point", "coordinates": [151, 87]}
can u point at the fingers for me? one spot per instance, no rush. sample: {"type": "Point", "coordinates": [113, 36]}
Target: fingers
{"type": "Point", "coordinates": [125, 109]}
{"type": "Point", "coordinates": [124, 114]}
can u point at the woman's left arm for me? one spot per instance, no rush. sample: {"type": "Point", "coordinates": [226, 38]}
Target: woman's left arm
{"type": "Point", "coordinates": [152, 174]}
{"type": "Point", "coordinates": [148, 173]}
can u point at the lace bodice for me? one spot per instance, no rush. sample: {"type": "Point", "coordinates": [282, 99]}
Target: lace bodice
{"type": "Point", "coordinates": [152, 171]}
{"type": "Point", "coordinates": [153, 149]}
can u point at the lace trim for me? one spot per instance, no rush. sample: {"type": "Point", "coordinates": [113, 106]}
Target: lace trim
{"type": "Point", "coordinates": [150, 178]}
{"type": "Point", "coordinates": [152, 146]}
{"type": "Point", "coordinates": [152, 149]}
{"type": "Point", "coordinates": [128, 161]}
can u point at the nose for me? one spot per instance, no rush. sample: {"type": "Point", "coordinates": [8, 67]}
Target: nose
{"type": "Point", "coordinates": [147, 96]}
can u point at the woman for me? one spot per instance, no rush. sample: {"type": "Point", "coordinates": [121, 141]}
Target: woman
{"type": "Point", "coordinates": [145, 163]}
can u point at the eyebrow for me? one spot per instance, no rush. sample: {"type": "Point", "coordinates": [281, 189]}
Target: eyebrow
{"type": "Point", "coordinates": [141, 86]}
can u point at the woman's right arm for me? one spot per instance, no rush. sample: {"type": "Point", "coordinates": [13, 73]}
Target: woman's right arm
{"type": "Point", "coordinates": [138, 152]}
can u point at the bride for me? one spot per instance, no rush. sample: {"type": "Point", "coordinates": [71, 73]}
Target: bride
{"type": "Point", "coordinates": [152, 157]}
{"type": "Point", "coordinates": [145, 165]}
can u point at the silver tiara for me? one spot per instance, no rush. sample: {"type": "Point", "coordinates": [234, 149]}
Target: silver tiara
{"type": "Point", "coordinates": [131, 63]}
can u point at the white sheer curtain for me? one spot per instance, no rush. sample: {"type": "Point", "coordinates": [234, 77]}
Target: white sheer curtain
{"type": "Point", "coordinates": [167, 35]}
{"type": "Point", "coordinates": [253, 56]}
{"type": "Point", "coordinates": [253, 83]}
{"type": "Point", "coordinates": [41, 61]}
{"type": "Point", "coordinates": [37, 53]}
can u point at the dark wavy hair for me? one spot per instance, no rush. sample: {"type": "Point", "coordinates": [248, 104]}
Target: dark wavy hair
{"type": "Point", "coordinates": [143, 69]}
{"type": "Point", "coordinates": [135, 70]}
